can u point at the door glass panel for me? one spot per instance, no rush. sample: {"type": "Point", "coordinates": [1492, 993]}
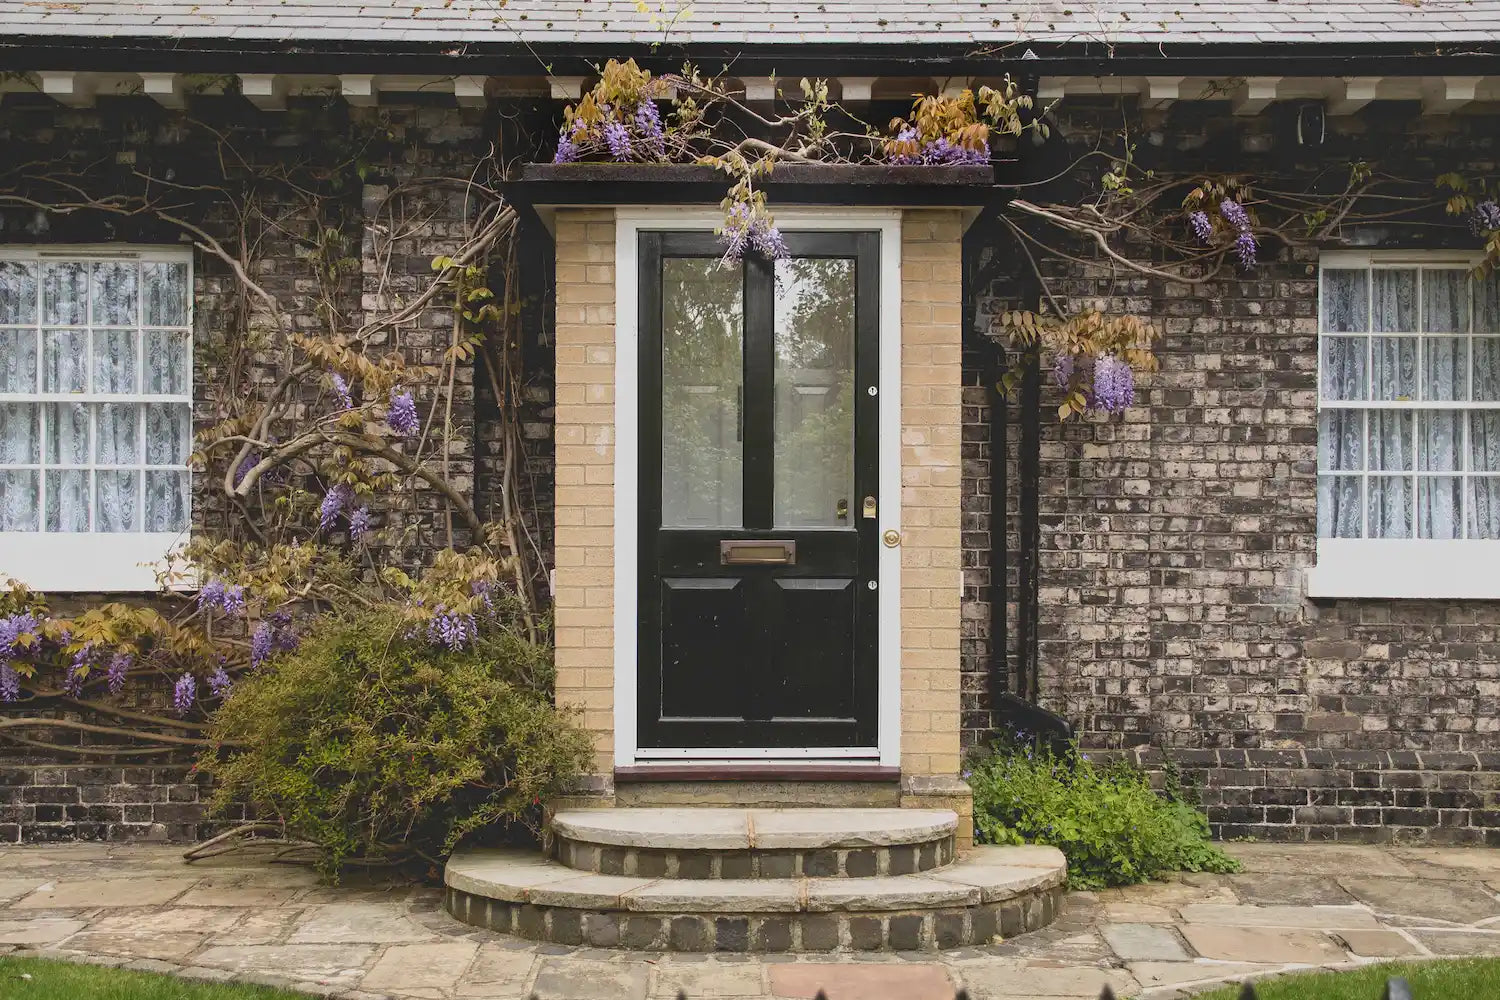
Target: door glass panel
{"type": "Point", "coordinates": [702, 370]}
{"type": "Point", "coordinates": [814, 478]}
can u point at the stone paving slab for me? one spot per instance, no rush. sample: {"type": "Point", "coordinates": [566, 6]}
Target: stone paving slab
{"type": "Point", "coordinates": [251, 921]}
{"type": "Point", "coordinates": [862, 982]}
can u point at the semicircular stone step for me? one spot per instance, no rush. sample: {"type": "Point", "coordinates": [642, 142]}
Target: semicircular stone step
{"type": "Point", "coordinates": [720, 843]}
{"type": "Point", "coordinates": [991, 893]}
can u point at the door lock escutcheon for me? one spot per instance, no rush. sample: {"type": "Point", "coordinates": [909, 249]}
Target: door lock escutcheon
{"type": "Point", "coordinates": [841, 509]}
{"type": "Point", "coordinates": [869, 507]}
{"type": "Point", "coordinates": [892, 538]}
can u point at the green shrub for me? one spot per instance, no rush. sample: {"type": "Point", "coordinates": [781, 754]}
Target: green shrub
{"type": "Point", "coordinates": [1112, 826]}
{"type": "Point", "coordinates": [375, 744]}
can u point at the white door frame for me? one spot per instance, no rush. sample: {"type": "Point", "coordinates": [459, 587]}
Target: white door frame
{"type": "Point", "coordinates": [629, 224]}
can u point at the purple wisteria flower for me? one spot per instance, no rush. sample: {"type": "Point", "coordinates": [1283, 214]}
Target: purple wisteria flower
{"type": "Point", "coordinates": [907, 135]}
{"type": "Point", "coordinates": [334, 502]}
{"type": "Point", "coordinates": [359, 523]}
{"type": "Point", "coordinates": [1234, 213]}
{"type": "Point", "coordinates": [402, 416]}
{"type": "Point", "coordinates": [1486, 217]}
{"type": "Point", "coordinates": [453, 631]}
{"type": "Point", "coordinates": [484, 590]}
{"type": "Point", "coordinates": [184, 693]}
{"type": "Point", "coordinates": [617, 136]}
{"type": "Point", "coordinates": [272, 635]}
{"type": "Point", "coordinates": [219, 682]}
{"type": "Point", "coordinates": [648, 122]}
{"type": "Point", "coordinates": [1245, 248]}
{"type": "Point", "coordinates": [119, 666]}
{"type": "Point", "coordinates": [744, 228]}
{"type": "Point", "coordinates": [341, 389]}
{"type": "Point", "coordinates": [78, 671]}
{"type": "Point", "coordinates": [1063, 367]}
{"type": "Point", "coordinates": [1114, 384]}
{"type": "Point", "coordinates": [12, 627]}
{"type": "Point", "coordinates": [10, 683]}
{"type": "Point", "coordinates": [938, 152]}
{"type": "Point", "coordinates": [1202, 228]}
{"type": "Point", "coordinates": [567, 151]}
{"type": "Point", "coordinates": [250, 462]}
{"type": "Point", "coordinates": [227, 597]}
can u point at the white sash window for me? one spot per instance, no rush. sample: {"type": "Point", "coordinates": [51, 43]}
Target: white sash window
{"type": "Point", "coordinates": [96, 372]}
{"type": "Point", "coordinates": [1408, 427]}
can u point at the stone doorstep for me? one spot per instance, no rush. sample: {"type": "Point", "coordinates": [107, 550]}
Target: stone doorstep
{"type": "Point", "coordinates": [516, 876]}
{"type": "Point", "coordinates": [725, 829]}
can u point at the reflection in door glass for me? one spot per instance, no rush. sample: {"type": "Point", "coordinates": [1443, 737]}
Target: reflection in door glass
{"type": "Point", "coordinates": [814, 479]}
{"type": "Point", "coordinates": [702, 338]}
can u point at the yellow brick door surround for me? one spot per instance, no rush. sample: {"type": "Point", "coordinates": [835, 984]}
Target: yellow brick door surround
{"type": "Point", "coordinates": [920, 429]}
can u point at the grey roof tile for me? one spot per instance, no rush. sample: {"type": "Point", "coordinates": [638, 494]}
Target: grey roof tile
{"type": "Point", "coordinates": [888, 22]}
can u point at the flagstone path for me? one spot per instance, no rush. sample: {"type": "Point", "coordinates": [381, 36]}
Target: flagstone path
{"type": "Point", "coordinates": [1294, 907]}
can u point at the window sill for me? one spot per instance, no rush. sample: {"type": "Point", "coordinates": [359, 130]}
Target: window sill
{"type": "Point", "coordinates": [85, 563]}
{"type": "Point", "coordinates": [1401, 568]}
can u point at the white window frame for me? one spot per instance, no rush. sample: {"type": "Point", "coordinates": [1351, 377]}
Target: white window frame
{"type": "Point", "coordinates": [630, 222]}
{"type": "Point", "coordinates": [97, 561]}
{"type": "Point", "coordinates": [1414, 568]}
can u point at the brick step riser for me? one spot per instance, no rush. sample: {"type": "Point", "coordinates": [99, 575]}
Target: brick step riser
{"type": "Point", "coordinates": [773, 863]}
{"type": "Point", "coordinates": [842, 931]}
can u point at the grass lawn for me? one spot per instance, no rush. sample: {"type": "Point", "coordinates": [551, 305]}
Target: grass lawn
{"type": "Point", "coordinates": [1474, 977]}
{"type": "Point", "coordinates": [65, 981]}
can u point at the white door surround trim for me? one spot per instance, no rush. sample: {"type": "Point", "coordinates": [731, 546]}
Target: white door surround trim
{"type": "Point", "coordinates": [629, 223]}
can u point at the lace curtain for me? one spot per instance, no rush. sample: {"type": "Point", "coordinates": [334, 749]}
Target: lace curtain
{"type": "Point", "coordinates": [95, 414]}
{"type": "Point", "coordinates": [1412, 339]}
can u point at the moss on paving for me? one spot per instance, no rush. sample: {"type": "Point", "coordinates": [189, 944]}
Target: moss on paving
{"type": "Point", "coordinates": [40, 979]}
{"type": "Point", "coordinates": [1467, 978]}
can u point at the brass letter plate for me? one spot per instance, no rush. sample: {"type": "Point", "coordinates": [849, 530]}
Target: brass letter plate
{"type": "Point", "coordinates": [752, 552]}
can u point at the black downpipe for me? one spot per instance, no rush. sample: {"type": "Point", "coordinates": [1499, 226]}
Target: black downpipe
{"type": "Point", "coordinates": [1028, 465]}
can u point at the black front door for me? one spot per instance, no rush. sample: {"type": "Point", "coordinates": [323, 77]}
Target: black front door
{"type": "Point", "coordinates": [758, 533]}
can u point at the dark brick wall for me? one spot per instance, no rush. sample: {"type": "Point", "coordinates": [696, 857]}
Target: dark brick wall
{"type": "Point", "coordinates": [1175, 540]}
{"type": "Point", "coordinates": [361, 156]}
{"type": "Point", "coordinates": [48, 801]}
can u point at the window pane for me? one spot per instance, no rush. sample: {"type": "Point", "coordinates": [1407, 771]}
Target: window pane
{"type": "Point", "coordinates": [1438, 507]}
{"type": "Point", "coordinates": [169, 438]}
{"type": "Point", "coordinates": [17, 361]}
{"type": "Point", "coordinates": [1344, 375]}
{"type": "Point", "coordinates": [702, 334]}
{"type": "Point", "coordinates": [1440, 436]}
{"type": "Point", "coordinates": [1346, 301]}
{"type": "Point", "coordinates": [1393, 374]}
{"type": "Point", "coordinates": [1484, 441]}
{"type": "Point", "coordinates": [114, 361]}
{"type": "Point", "coordinates": [814, 466]}
{"type": "Point", "coordinates": [166, 501]}
{"type": "Point", "coordinates": [1487, 303]}
{"type": "Point", "coordinates": [1484, 507]}
{"type": "Point", "coordinates": [1341, 440]}
{"type": "Point", "coordinates": [1339, 511]}
{"type": "Point", "coordinates": [117, 500]}
{"type": "Point", "coordinates": [65, 355]}
{"type": "Point", "coordinates": [18, 499]}
{"type": "Point", "coordinates": [65, 294]}
{"type": "Point", "coordinates": [167, 362]}
{"type": "Point", "coordinates": [17, 292]}
{"type": "Point", "coordinates": [18, 434]}
{"type": "Point", "coordinates": [164, 294]}
{"type": "Point", "coordinates": [1487, 368]}
{"type": "Point", "coordinates": [67, 434]}
{"type": "Point", "coordinates": [1395, 300]}
{"type": "Point", "coordinates": [115, 293]}
{"type": "Point", "coordinates": [1445, 301]}
{"type": "Point", "coordinates": [1391, 440]}
{"type": "Point", "coordinates": [68, 500]}
{"type": "Point", "coordinates": [1390, 504]}
{"type": "Point", "coordinates": [115, 438]}
{"type": "Point", "coordinates": [1445, 368]}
